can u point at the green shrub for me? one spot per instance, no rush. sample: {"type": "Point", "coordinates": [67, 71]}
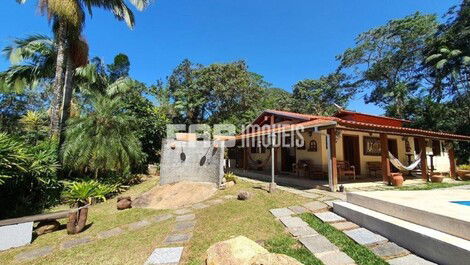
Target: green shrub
{"type": "Point", "coordinates": [29, 180]}
{"type": "Point", "coordinates": [464, 167]}
{"type": "Point", "coordinates": [87, 192]}
{"type": "Point", "coordinates": [229, 176]}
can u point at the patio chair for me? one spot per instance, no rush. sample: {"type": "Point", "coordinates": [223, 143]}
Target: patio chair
{"type": "Point", "coordinates": [344, 169]}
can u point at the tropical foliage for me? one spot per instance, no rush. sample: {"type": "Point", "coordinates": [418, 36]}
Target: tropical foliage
{"type": "Point", "coordinates": [87, 192]}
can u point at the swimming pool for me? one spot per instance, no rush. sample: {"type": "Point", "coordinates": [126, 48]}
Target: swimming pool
{"type": "Point", "coordinates": [466, 203]}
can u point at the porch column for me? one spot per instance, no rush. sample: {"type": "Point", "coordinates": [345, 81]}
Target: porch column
{"type": "Point", "coordinates": [276, 170]}
{"type": "Point", "coordinates": [452, 161]}
{"type": "Point", "coordinates": [245, 158]}
{"type": "Point", "coordinates": [272, 185]}
{"type": "Point", "coordinates": [334, 166]}
{"type": "Point", "coordinates": [424, 160]}
{"type": "Point", "coordinates": [385, 160]}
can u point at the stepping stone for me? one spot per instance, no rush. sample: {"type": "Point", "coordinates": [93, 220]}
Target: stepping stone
{"type": "Point", "coordinates": [318, 244]}
{"type": "Point", "coordinates": [183, 226]}
{"type": "Point", "coordinates": [109, 233]}
{"type": "Point", "coordinates": [310, 195]}
{"type": "Point", "coordinates": [187, 217]}
{"type": "Point", "coordinates": [200, 206]}
{"type": "Point", "coordinates": [408, 260]}
{"type": "Point", "coordinates": [215, 202]}
{"type": "Point", "coordinates": [182, 211]}
{"type": "Point", "coordinates": [302, 231]}
{"type": "Point", "coordinates": [365, 237]}
{"type": "Point", "coordinates": [329, 217]}
{"type": "Point", "coordinates": [178, 238]}
{"type": "Point", "coordinates": [330, 203]}
{"type": "Point", "coordinates": [281, 212]}
{"type": "Point", "coordinates": [165, 256]}
{"type": "Point", "coordinates": [138, 225]}
{"type": "Point", "coordinates": [316, 206]}
{"type": "Point", "coordinates": [389, 250]}
{"type": "Point", "coordinates": [161, 218]}
{"type": "Point", "coordinates": [289, 221]}
{"type": "Point", "coordinates": [327, 198]}
{"type": "Point", "coordinates": [298, 209]}
{"type": "Point", "coordinates": [75, 242]}
{"type": "Point", "coordinates": [344, 226]}
{"type": "Point", "coordinates": [335, 258]}
{"type": "Point", "coordinates": [35, 253]}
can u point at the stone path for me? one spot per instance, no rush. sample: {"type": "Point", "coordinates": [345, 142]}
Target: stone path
{"type": "Point", "coordinates": [317, 244]}
{"type": "Point", "coordinates": [181, 233]}
{"type": "Point", "coordinates": [378, 244]}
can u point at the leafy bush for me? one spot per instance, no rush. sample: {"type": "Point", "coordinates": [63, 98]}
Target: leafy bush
{"type": "Point", "coordinates": [229, 176]}
{"type": "Point", "coordinates": [464, 167]}
{"type": "Point", "coordinates": [87, 192]}
{"type": "Point", "coordinates": [29, 180]}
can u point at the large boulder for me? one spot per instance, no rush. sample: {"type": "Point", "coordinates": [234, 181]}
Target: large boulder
{"type": "Point", "coordinates": [243, 195]}
{"type": "Point", "coordinates": [273, 259]}
{"type": "Point", "coordinates": [236, 251]}
{"type": "Point", "coordinates": [124, 203]}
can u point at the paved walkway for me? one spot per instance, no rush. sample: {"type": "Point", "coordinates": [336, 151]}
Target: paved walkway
{"type": "Point", "coordinates": [317, 244]}
{"type": "Point", "coordinates": [330, 254]}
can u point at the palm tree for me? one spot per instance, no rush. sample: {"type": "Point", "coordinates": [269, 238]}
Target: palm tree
{"type": "Point", "coordinates": [68, 17]}
{"type": "Point", "coordinates": [103, 140]}
{"type": "Point", "coordinates": [32, 59]}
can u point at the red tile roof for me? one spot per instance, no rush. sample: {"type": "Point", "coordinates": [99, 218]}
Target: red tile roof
{"type": "Point", "coordinates": [312, 120]}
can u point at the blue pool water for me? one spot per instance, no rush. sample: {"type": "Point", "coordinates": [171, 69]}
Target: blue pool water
{"type": "Point", "coordinates": [466, 203]}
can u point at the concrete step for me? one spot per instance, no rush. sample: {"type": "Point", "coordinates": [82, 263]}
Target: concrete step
{"type": "Point", "coordinates": [428, 243]}
{"type": "Point", "coordinates": [434, 219]}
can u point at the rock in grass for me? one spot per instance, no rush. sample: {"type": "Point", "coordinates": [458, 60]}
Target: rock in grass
{"type": "Point", "coordinates": [45, 227]}
{"type": "Point", "coordinates": [243, 195]}
{"type": "Point", "coordinates": [273, 259]}
{"type": "Point", "coordinates": [236, 251]}
{"type": "Point", "coordinates": [124, 203]}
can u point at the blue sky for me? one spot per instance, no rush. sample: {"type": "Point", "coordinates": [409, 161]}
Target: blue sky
{"type": "Point", "coordinates": [285, 41]}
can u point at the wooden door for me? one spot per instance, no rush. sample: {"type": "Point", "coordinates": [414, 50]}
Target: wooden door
{"type": "Point", "coordinates": [351, 151]}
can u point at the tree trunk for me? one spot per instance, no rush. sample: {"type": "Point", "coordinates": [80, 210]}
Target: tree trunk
{"type": "Point", "coordinates": [59, 78]}
{"type": "Point", "coordinates": [77, 221]}
{"type": "Point", "coordinates": [67, 96]}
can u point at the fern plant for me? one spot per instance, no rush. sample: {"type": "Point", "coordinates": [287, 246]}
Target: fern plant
{"type": "Point", "coordinates": [87, 192]}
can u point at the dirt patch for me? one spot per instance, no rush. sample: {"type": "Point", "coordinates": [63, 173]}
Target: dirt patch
{"type": "Point", "coordinates": [176, 195]}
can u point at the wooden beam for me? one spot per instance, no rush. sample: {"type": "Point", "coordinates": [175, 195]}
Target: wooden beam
{"type": "Point", "coordinates": [451, 153]}
{"type": "Point", "coordinates": [424, 160]}
{"type": "Point", "coordinates": [385, 160]}
{"type": "Point", "coordinates": [272, 120]}
{"type": "Point", "coordinates": [334, 164]}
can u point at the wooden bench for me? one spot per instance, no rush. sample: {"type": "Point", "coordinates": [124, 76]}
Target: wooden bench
{"type": "Point", "coordinates": [344, 169]}
{"type": "Point", "coordinates": [18, 232]}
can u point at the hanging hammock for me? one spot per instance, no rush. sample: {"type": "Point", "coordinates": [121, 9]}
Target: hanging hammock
{"type": "Point", "coordinates": [402, 167]}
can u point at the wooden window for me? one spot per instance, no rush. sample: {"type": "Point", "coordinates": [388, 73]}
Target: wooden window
{"type": "Point", "coordinates": [436, 147]}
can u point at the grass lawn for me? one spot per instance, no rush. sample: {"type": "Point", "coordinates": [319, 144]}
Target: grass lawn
{"type": "Point", "coordinates": [128, 248]}
{"type": "Point", "coordinates": [361, 255]}
{"type": "Point", "coordinates": [219, 222]}
{"type": "Point", "coordinates": [431, 186]}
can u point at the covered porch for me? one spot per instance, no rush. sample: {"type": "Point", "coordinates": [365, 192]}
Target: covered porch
{"type": "Point", "coordinates": [325, 167]}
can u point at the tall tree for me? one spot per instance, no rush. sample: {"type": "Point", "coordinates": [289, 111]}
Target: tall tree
{"type": "Point", "coordinates": [388, 60]}
{"type": "Point", "coordinates": [68, 17]}
{"type": "Point", "coordinates": [320, 96]}
{"type": "Point", "coordinates": [120, 67]}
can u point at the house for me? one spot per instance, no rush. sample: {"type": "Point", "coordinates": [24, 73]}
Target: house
{"type": "Point", "coordinates": [348, 146]}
